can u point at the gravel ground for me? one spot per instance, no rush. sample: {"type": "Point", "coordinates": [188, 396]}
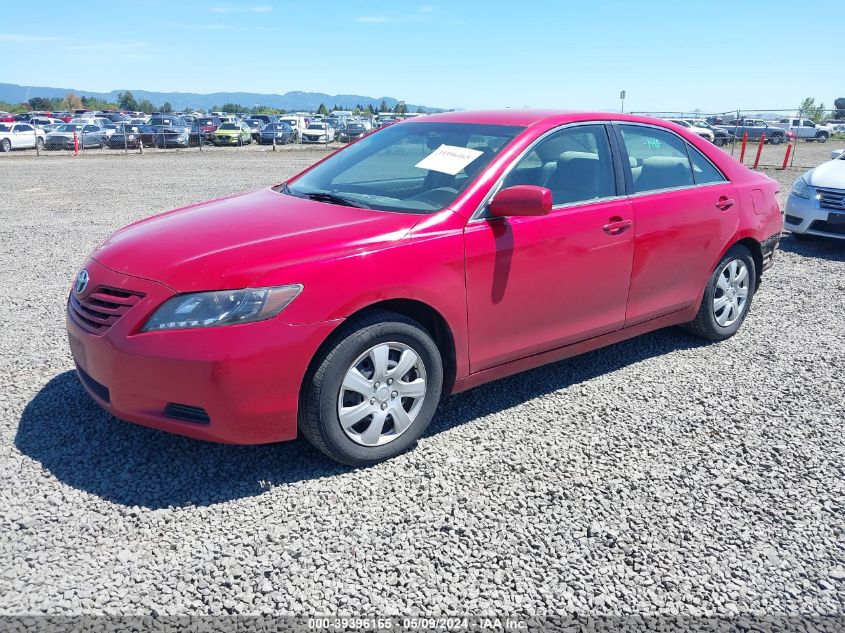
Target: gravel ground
{"type": "Point", "coordinates": [661, 475]}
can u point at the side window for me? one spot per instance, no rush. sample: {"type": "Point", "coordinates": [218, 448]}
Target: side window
{"type": "Point", "coordinates": [657, 159]}
{"type": "Point", "coordinates": [703, 170]}
{"type": "Point", "coordinates": [24, 128]}
{"type": "Point", "coordinates": [574, 163]}
{"type": "Point", "coordinates": [809, 124]}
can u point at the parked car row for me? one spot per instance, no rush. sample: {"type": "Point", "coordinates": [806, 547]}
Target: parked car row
{"type": "Point", "coordinates": [780, 130]}
{"type": "Point", "coordinates": [125, 130]}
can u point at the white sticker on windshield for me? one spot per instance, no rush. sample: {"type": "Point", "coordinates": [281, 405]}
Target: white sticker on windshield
{"type": "Point", "coordinates": [449, 159]}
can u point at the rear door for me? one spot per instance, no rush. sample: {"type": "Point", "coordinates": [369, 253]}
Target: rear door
{"type": "Point", "coordinates": [685, 212]}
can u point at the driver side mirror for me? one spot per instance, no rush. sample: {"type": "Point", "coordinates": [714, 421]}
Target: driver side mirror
{"type": "Point", "coordinates": [521, 200]}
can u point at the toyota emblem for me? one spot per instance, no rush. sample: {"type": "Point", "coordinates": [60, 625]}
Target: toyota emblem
{"type": "Point", "coordinates": [81, 282]}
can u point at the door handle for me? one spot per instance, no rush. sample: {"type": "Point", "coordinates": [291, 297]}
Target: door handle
{"type": "Point", "coordinates": [617, 225]}
{"type": "Point", "coordinates": [724, 203]}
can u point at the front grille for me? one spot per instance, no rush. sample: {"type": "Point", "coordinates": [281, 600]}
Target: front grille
{"type": "Point", "coordinates": [101, 391]}
{"type": "Point", "coordinates": [833, 199]}
{"type": "Point", "coordinates": [828, 227]}
{"type": "Point", "coordinates": [102, 308]}
{"type": "Point", "coordinates": [186, 412]}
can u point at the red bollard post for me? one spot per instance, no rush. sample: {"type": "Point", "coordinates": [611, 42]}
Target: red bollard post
{"type": "Point", "coordinates": [786, 155]}
{"type": "Point", "coordinates": [75, 144]}
{"type": "Point", "coordinates": [742, 151]}
{"type": "Point", "coordinates": [759, 151]}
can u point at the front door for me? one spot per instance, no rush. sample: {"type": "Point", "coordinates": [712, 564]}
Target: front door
{"type": "Point", "coordinates": [537, 283]}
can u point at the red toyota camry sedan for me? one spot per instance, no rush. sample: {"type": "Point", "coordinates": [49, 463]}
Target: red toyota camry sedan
{"type": "Point", "coordinates": [424, 259]}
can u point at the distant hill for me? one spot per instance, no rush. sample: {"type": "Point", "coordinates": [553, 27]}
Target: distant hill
{"type": "Point", "coordinates": [14, 93]}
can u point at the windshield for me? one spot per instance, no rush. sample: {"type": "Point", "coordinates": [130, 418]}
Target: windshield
{"type": "Point", "coordinates": [70, 128]}
{"type": "Point", "coordinates": [411, 168]}
{"type": "Point", "coordinates": [228, 126]}
{"type": "Point", "coordinates": [317, 126]}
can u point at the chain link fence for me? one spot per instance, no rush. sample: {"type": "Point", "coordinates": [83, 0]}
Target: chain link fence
{"type": "Point", "coordinates": [777, 137]}
{"type": "Point", "coordinates": [773, 138]}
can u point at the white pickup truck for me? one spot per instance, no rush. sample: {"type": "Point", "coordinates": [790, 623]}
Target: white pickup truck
{"type": "Point", "coordinates": [804, 128]}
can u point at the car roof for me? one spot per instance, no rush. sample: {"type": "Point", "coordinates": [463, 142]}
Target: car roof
{"type": "Point", "coordinates": [528, 117]}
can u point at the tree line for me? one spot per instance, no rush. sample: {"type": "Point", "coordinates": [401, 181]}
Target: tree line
{"type": "Point", "coordinates": [127, 101]}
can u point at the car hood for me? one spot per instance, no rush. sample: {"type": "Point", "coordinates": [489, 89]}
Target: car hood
{"type": "Point", "coordinates": [830, 174]}
{"type": "Point", "coordinates": [227, 243]}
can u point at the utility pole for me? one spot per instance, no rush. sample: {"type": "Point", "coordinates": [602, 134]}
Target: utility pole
{"type": "Point", "coordinates": [622, 98]}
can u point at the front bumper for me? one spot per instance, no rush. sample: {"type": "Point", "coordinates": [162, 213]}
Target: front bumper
{"type": "Point", "coordinates": [244, 378]}
{"type": "Point", "coordinates": [226, 140]}
{"type": "Point", "coordinates": [805, 216]}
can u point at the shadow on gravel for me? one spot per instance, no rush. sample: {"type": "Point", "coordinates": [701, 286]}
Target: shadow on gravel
{"type": "Point", "coordinates": [85, 447]}
{"type": "Point", "coordinates": [810, 246]}
{"type": "Point", "coordinates": [514, 390]}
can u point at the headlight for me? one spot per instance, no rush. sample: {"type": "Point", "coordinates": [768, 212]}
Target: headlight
{"type": "Point", "coordinates": [226, 307]}
{"type": "Point", "coordinates": [800, 188]}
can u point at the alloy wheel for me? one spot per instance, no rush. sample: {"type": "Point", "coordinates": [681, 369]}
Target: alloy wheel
{"type": "Point", "coordinates": [730, 296]}
{"type": "Point", "coordinates": [381, 394]}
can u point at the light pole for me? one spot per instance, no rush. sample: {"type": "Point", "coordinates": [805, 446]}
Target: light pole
{"type": "Point", "coordinates": [622, 98]}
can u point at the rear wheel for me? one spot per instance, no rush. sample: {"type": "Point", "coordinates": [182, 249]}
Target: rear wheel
{"type": "Point", "coordinates": [39, 143]}
{"type": "Point", "coordinates": [373, 391]}
{"type": "Point", "coordinates": [727, 297]}
{"type": "Point", "coordinates": [821, 137]}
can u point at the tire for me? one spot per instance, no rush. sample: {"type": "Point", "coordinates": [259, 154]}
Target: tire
{"type": "Point", "coordinates": [775, 140]}
{"type": "Point", "coordinates": [707, 322]}
{"type": "Point", "coordinates": [350, 354]}
{"type": "Point", "coordinates": [719, 141]}
{"type": "Point", "coordinates": [104, 142]}
{"type": "Point", "coordinates": [39, 144]}
{"type": "Point", "coordinates": [5, 145]}
{"type": "Point", "coordinates": [821, 137]}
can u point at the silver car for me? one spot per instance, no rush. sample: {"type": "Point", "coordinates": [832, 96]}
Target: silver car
{"type": "Point", "coordinates": [816, 203]}
{"type": "Point", "coordinates": [88, 135]}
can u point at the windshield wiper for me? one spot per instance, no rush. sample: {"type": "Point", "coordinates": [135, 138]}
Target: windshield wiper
{"type": "Point", "coordinates": [325, 196]}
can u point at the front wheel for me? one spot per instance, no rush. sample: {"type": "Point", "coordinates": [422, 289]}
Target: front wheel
{"type": "Point", "coordinates": [727, 297]}
{"type": "Point", "coordinates": [373, 391]}
{"type": "Point", "coordinates": [5, 145]}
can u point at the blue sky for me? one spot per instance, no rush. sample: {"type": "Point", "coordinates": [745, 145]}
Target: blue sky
{"type": "Point", "coordinates": [462, 53]}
